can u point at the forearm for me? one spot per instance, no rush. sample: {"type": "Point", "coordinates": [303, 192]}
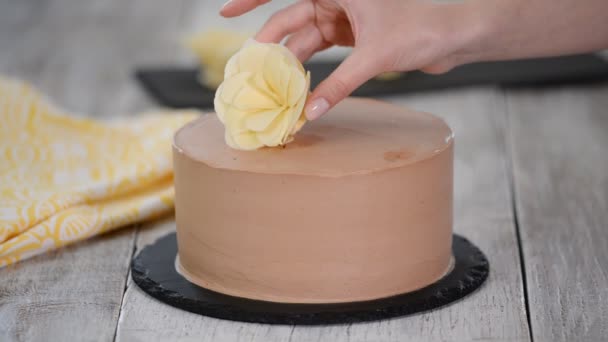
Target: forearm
{"type": "Point", "coordinates": [510, 29]}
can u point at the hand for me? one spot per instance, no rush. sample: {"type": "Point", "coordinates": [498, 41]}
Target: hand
{"type": "Point", "coordinates": [404, 35]}
{"type": "Point", "coordinates": [387, 35]}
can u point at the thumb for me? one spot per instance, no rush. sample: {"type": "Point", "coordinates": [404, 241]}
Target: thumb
{"type": "Point", "coordinates": [355, 70]}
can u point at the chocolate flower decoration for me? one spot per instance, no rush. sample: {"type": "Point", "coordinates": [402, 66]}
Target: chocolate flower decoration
{"type": "Point", "coordinates": [261, 100]}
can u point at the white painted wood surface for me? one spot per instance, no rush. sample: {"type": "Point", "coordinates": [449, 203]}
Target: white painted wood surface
{"type": "Point", "coordinates": [82, 54]}
{"type": "Point", "coordinates": [560, 154]}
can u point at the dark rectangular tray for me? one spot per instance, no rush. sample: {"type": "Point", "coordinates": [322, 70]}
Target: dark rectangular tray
{"type": "Point", "coordinates": [179, 87]}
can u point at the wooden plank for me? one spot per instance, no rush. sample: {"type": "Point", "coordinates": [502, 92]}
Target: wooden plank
{"type": "Point", "coordinates": [74, 294]}
{"type": "Point", "coordinates": [559, 141]}
{"type": "Point", "coordinates": [81, 54]}
{"type": "Point", "coordinates": [483, 213]}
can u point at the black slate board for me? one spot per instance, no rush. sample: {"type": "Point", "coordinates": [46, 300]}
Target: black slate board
{"type": "Point", "coordinates": [179, 88]}
{"type": "Point", "coordinates": [154, 271]}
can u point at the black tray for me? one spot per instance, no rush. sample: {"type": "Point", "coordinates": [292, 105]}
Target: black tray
{"type": "Point", "coordinates": [179, 87]}
{"type": "Point", "coordinates": [154, 271]}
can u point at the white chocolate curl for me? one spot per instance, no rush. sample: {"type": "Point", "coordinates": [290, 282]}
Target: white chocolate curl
{"type": "Point", "coordinates": [261, 101]}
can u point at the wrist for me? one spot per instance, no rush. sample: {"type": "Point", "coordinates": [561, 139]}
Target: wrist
{"type": "Point", "coordinates": [471, 30]}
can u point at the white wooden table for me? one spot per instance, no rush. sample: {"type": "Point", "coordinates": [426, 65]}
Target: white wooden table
{"type": "Point", "coordinates": [531, 191]}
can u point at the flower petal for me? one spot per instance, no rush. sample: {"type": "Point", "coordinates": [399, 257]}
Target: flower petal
{"type": "Point", "coordinates": [235, 119]}
{"type": "Point", "coordinates": [275, 134]}
{"type": "Point", "coordinates": [218, 104]}
{"type": "Point", "coordinates": [260, 121]}
{"type": "Point", "coordinates": [250, 58]}
{"type": "Point", "coordinates": [297, 87]}
{"type": "Point", "coordinates": [253, 98]}
{"type": "Point", "coordinates": [243, 141]}
{"type": "Point", "coordinates": [231, 86]}
{"type": "Point", "coordinates": [275, 66]}
{"type": "Point", "coordinates": [299, 119]}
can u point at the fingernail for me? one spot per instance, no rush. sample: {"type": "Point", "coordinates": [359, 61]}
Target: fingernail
{"type": "Point", "coordinates": [316, 108]}
{"type": "Point", "coordinates": [225, 5]}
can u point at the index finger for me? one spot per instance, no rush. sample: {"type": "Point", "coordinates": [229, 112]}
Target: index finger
{"type": "Point", "coordinates": [286, 21]}
{"type": "Point", "coordinates": [234, 8]}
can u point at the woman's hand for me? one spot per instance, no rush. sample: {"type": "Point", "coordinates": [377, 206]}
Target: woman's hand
{"type": "Point", "coordinates": [404, 35]}
{"type": "Point", "coordinates": [389, 35]}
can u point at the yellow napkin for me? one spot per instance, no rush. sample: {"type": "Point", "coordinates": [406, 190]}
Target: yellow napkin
{"type": "Point", "coordinates": [64, 179]}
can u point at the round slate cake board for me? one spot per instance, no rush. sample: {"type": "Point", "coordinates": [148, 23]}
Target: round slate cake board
{"type": "Point", "coordinates": [154, 271]}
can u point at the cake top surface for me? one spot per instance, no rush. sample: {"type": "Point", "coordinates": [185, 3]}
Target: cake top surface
{"type": "Point", "coordinates": [358, 136]}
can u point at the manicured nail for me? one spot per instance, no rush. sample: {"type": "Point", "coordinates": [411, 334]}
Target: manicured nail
{"type": "Point", "coordinates": [316, 108]}
{"type": "Point", "coordinates": [225, 5]}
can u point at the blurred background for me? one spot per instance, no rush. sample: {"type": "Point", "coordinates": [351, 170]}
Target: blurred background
{"type": "Point", "coordinates": [85, 52]}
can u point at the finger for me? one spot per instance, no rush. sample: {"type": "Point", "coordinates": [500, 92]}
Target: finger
{"type": "Point", "coordinates": [306, 42]}
{"type": "Point", "coordinates": [324, 45]}
{"type": "Point", "coordinates": [356, 69]}
{"type": "Point", "coordinates": [288, 20]}
{"type": "Point", "coordinates": [234, 8]}
{"type": "Point", "coordinates": [437, 68]}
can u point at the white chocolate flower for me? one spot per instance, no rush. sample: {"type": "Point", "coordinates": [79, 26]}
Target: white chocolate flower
{"type": "Point", "coordinates": [261, 101]}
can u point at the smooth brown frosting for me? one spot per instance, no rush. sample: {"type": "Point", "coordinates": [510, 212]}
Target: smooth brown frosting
{"type": "Point", "coordinates": [358, 207]}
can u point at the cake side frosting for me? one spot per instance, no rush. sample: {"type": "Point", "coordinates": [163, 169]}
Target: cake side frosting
{"type": "Point", "coordinates": [357, 212]}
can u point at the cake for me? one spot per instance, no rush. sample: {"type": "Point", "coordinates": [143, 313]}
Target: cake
{"type": "Point", "coordinates": [358, 207]}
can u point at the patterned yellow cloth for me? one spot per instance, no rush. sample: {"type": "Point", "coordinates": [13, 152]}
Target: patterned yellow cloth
{"type": "Point", "coordinates": [64, 179]}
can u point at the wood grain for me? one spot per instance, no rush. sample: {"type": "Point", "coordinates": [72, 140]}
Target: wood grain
{"type": "Point", "coordinates": [560, 158]}
{"type": "Point", "coordinates": [80, 53]}
{"type": "Point", "coordinates": [74, 294]}
{"type": "Point", "coordinates": [483, 213]}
